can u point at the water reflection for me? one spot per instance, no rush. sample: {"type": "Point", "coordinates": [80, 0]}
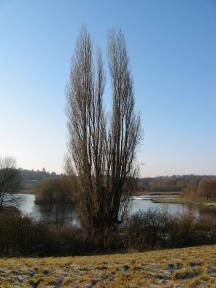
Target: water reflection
{"type": "Point", "coordinates": [58, 214]}
{"type": "Point", "coordinates": [51, 213]}
{"type": "Point", "coordinates": [173, 209]}
{"type": "Point", "coordinates": [68, 214]}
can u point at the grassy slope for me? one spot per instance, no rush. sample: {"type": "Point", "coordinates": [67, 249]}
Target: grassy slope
{"type": "Point", "coordinates": [189, 267]}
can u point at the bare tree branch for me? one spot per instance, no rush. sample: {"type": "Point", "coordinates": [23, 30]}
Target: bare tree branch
{"type": "Point", "coordinates": [10, 181]}
{"type": "Point", "coordinates": [102, 155]}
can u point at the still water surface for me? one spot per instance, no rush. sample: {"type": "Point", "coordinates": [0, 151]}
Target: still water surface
{"type": "Point", "coordinates": [69, 214]}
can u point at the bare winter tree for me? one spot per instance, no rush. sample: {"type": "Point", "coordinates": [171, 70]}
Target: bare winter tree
{"type": "Point", "coordinates": [125, 128]}
{"type": "Point", "coordinates": [102, 154]}
{"type": "Point", "coordinates": [10, 181]}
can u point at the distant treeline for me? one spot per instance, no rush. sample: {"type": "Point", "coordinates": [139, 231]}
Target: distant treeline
{"type": "Point", "coordinates": [205, 188]}
{"type": "Point", "coordinates": [173, 183]}
{"type": "Point", "coordinates": [36, 175]}
{"type": "Point", "coordinates": [31, 178]}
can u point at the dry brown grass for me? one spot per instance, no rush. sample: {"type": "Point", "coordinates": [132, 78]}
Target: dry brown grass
{"type": "Point", "coordinates": [188, 267]}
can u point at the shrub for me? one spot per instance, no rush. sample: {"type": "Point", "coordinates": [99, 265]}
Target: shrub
{"type": "Point", "coordinates": [143, 231]}
{"type": "Point", "coordinates": [19, 235]}
{"type": "Point", "coordinates": [69, 240]}
{"type": "Point", "coordinates": [55, 191]}
{"type": "Point", "coordinates": [22, 236]}
{"type": "Point", "coordinates": [146, 230]}
{"type": "Point", "coordinates": [153, 229]}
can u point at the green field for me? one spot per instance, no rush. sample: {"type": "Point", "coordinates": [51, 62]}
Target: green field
{"type": "Point", "coordinates": [188, 267]}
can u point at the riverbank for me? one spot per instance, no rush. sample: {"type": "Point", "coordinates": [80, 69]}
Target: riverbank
{"type": "Point", "coordinates": [188, 267]}
{"type": "Point", "coordinates": [157, 193]}
{"type": "Point", "coordinates": [28, 191]}
{"type": "Point", "coordinates": [185, 200]}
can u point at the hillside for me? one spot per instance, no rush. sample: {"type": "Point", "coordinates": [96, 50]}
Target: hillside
{"type": "Point", "coordinates": [188, 267]}
{"type": "Point", "coordinates": [175, 183]}
{"type": "Point", "coordinates": [31, 179]}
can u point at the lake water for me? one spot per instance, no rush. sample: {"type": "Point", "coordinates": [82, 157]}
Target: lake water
{"type": "Point", "coordinates": [144, 203]}
{"type": "Point", "coordinates": [68, 213]}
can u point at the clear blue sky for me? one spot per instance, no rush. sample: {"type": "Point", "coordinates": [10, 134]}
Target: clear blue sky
{"type": "Point", "coordinates": [172, 50]}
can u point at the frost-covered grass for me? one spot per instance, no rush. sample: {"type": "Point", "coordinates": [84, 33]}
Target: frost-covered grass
{"type": "Point", "coordinates": [188, 267]}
